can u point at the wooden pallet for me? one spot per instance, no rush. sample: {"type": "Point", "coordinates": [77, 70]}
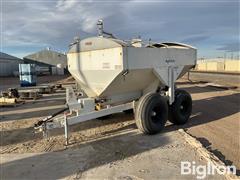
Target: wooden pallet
{"type": "Point", "coordinates": [47, 90]}
{"type": "Point", "coordinates": [10, 102]}
{"type": "Point", "coordinates": [44, 89]}
{"type": "Point", "coordinates": [30, 95]}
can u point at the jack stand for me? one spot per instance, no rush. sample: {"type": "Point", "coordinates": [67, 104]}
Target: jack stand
{"type": "Point", "coordinates": [45, 131]}
{"type": "Point", "coordinates": [171, 85]}
{"type": "Point", "coordinates": [66, 130]}
{"type": "Point", "coordinates": [188, 76]}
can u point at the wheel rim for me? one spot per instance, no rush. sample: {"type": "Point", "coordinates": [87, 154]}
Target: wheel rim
{"type": "Point", "coordinates": [156, 114]}
{"type": "Point", "coordinates": [184, 107]}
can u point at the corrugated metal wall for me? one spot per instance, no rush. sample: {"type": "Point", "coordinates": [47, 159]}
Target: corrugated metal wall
{"type": "Point", "coordinates": [48, 57]}
{"type": "Point", "coordinates": [7, 67]}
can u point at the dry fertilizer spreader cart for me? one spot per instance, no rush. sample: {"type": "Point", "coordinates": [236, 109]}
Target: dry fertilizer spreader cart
{"type": "Point", "coordinates": [116, 76]}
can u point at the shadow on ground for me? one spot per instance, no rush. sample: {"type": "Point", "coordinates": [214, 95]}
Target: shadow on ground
{"type": "Point", "coordinates": [27, 134]}
{"type": "Point", "coordinates": [55, 99]}
{"type": "Point", "coordinates": [205, 89]}
{"type": "Point", "coordinates": [90, 155]}
{"type": "Point", "coordinates": [208, 145]}
{"type": "Point", "coordinates": [186, 82]}
{"type": "Point", "coordinates": [32, 114]}
{"type": "Point", "coordinates": [204, 111]}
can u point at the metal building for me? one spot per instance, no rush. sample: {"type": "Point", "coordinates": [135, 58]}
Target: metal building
{"type": "Point", "coordinates": [47, 61]}
{"type": "Point", "coordinates": [9, 64]}
{"type": "Point", "coordinates": [47, 57]}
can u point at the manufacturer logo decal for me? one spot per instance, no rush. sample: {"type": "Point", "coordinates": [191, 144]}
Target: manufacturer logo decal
{"type": "Point", "coordinates": [88, 43]}
{"type": "Point", "coordinates": [170, 61]}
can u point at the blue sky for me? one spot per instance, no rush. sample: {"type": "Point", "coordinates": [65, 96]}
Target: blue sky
{"type": "Point", "coordinates": [32, 25]}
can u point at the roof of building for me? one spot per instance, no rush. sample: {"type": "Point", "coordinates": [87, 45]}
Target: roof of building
{"type": "Point", "coordinates": [47, 57]}
{"type": "Point", "coordinates": [4, 56]}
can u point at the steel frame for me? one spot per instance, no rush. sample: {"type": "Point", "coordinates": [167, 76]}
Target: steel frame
{"type": "Point", "coordinates": [66, 120]}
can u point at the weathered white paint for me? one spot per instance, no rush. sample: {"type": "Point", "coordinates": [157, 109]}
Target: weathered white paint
{"type": "Point", "coordinates": [108, 67]}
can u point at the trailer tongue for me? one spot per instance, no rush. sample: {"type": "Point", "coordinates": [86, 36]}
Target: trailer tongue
{"type": "Point", "coordinates": [117, 75]}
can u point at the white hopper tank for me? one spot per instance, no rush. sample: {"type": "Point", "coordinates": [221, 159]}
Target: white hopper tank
{"type": "Point", "coordinates": [120, 72]}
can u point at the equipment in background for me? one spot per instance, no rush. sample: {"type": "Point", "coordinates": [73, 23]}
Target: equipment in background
{"type": "Point", "coordinates": [27, 75]}
{"type": "Point", "coordinates": [10, 93]}
{"type": "Point", "coordinates": [10, 98]}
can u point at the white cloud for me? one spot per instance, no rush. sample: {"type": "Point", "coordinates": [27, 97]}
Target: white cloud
{"type": "Point", "coordinates": [63, 5]}
{"type": "Point", "coordinates": [55, 23]}
{"type": "Point", "coordinates": [51, 21]}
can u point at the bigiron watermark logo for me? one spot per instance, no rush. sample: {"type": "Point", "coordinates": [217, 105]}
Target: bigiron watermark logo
{"type": "Point", "coordinates": [201, 171]}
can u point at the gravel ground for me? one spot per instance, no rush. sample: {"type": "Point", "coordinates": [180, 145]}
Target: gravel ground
{"type": "Point", "coordinates": [215, 123]}
{"type": "Point", "coordinates": [125, 154]}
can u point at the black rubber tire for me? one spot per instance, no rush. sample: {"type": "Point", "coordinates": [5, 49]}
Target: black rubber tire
{"type": "Point", "coordinates": [181, 109]}
{"type": "Point", "coordinates": [151, 113]}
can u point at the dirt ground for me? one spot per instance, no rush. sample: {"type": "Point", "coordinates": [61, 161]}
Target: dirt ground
{"type": "Point", "coordinates": [215, 118]}
{"type": "Point", "coordinates": [17, 133]}
{"type": "Point", "coordinates": [123, 155]}
{"type": "Point", "coordinates": [227, 79]}
{"type": "Point", "coordinates": [215, 122]}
